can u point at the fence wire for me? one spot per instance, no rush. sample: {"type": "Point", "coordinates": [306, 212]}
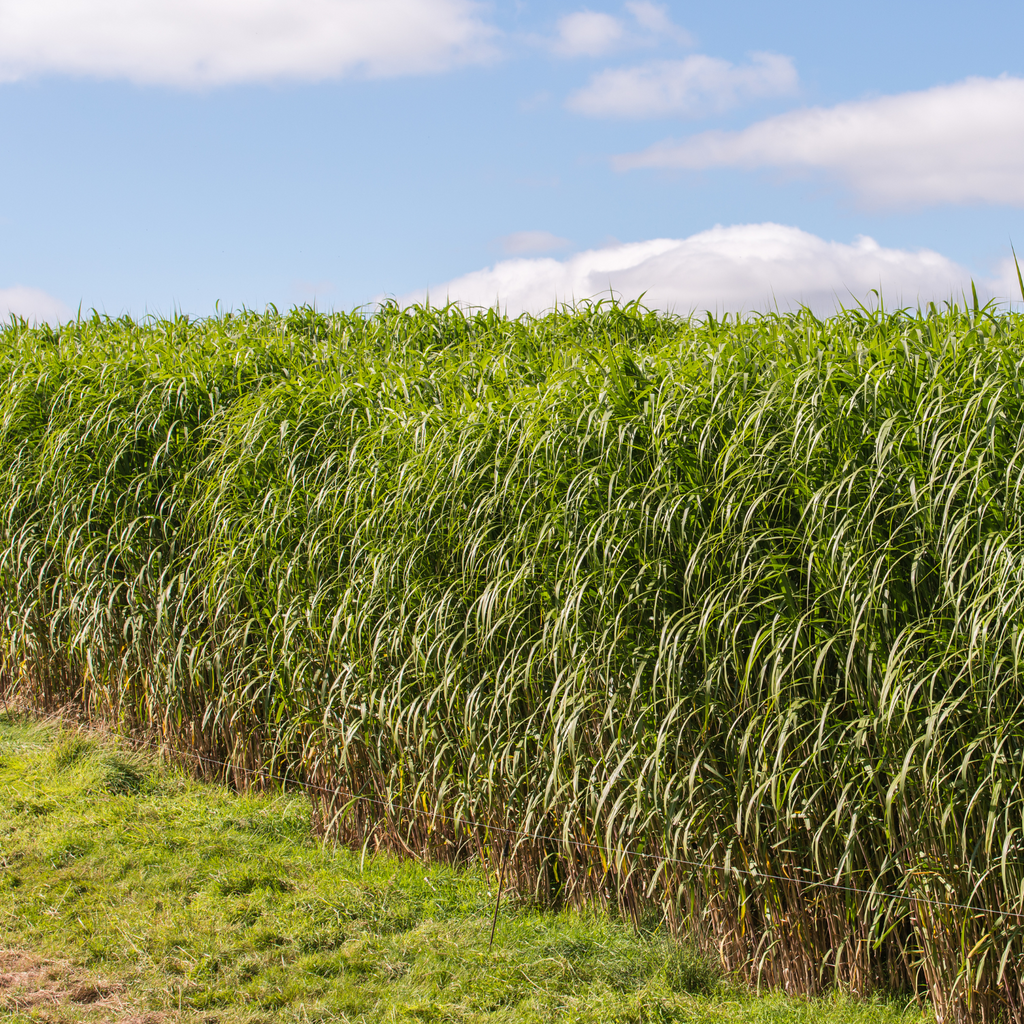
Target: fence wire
{"type": "Point", "coordinates": [580, 844]}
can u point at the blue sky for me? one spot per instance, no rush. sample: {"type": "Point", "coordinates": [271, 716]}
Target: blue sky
{"type": "Point", "coordinates": [172, 154]}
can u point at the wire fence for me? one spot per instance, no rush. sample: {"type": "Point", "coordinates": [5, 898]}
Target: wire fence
{"type": "Point", "coordinates": [512, 833]}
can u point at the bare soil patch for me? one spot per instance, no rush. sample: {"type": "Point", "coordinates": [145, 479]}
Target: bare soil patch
{"type": "Point", "coordinates": [49, 989]}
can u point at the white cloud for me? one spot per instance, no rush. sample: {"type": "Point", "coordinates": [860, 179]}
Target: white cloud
{"type": "Point", "coordinates": [655, 19]}
{"type": "Point", "coordinates": [959, 143]}
{"type": "Point", "coordinates": [691, 87]}
{"type": "Point", "coordinates": [32, 304]}
{"type": "Point", "coordinates": [592, 33]}
{"type": "Point", "coordinates": [196, 43]}
{"type": "Point", "coordinates": [1006, 285]}
{"type": "Point", "coordinates": [520, 242]}
{"type": "Point", "coordinates": [587, 34]}
{"type": "Point", "coordinates": [741, 268]}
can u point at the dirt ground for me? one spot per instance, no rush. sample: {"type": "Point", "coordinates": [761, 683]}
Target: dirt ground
{"type": "Point", "coordinates": [52, 990]}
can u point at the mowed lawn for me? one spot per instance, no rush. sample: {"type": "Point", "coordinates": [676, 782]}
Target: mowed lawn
{"type": "Point", "coordinates": [133, 892]}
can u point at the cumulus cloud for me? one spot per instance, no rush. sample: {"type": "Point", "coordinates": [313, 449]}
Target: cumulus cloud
{"type": "Point", "coordinates": [655, 19]}
{"type": "Point", "coordinates": [520, 242]}
{"type": "Point", "coordinates": [960, 143]}
{"type": "Point", "coordinates": [690, 87]}
{"type": "Point", "coordinates": [592, 33]}
{"type": "Point", "coordinates": [32, 304]}
{"type": "Point", "coordinates": [1006, 285]}
{"type": "Point", "coordinates": [199, 43]}
{"type": "Point", "coordinates": [745, 267]}
{"type": "Point", "coordinates": [587, 34]}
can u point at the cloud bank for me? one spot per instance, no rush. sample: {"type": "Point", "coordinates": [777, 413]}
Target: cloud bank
{"type": "Point", "coordinates": [201, 43]}
{"type": "Point", "coordinates": [691, 87]}
{"type": "Point", "coordinates": [32, 304]}
{"type": "Point", "coordinates": [961, 143]}
{"type": "Point", "coordinates": [742, 268]}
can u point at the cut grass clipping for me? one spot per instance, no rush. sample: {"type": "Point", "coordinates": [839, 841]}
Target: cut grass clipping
{"type": "Point", "coordinates": [166, 899]}
{"type": "Point", "coordinates": [720, 617]}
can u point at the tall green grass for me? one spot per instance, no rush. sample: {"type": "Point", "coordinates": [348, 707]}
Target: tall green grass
{"type": "Point", "coordinates": [714, 611]}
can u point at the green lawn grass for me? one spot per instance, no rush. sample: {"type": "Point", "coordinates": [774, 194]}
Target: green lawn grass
{"type": "Point", "coordinates": [190, 901]}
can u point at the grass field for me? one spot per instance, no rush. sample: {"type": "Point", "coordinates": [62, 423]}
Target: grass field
{"type": "Point", "coordinates": [722, 618]}
{"type": "Point", "coordinates": [131, 892]}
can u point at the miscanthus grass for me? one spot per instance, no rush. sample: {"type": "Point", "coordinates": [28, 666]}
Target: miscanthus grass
{"type": "Point", "coordinates": [140, 895]}
{"type": "Point", "coordinates": [722, 617]}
